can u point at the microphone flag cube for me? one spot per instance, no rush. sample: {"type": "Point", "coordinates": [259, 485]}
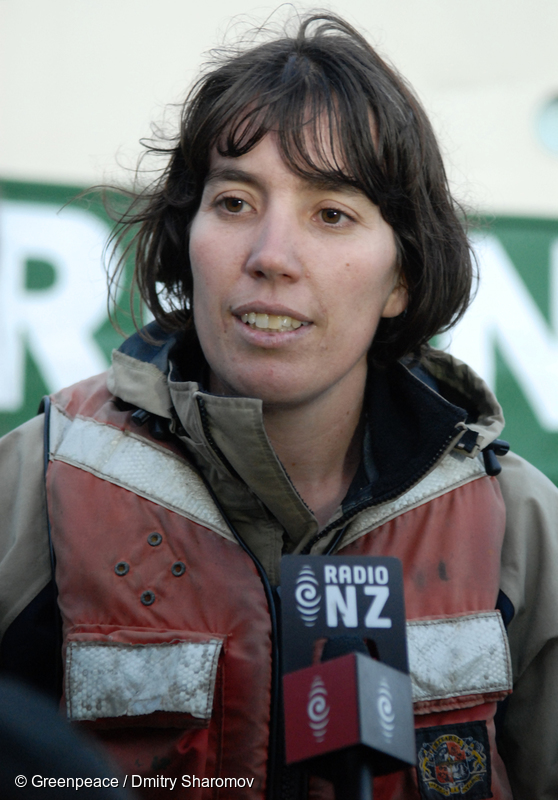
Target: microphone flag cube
{"type": "Point", "coordinates": [352, 700]}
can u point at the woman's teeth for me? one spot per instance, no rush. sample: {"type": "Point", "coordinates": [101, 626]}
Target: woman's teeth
{"type": "Point", "coordinates": [270, 322]}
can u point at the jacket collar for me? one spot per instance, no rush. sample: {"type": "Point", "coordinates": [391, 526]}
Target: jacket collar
{"type": "Point", "coordinates": [410, 426]}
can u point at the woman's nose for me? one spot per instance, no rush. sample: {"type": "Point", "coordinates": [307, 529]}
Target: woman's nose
{"type": "Point", "coordinates": [275, 251]}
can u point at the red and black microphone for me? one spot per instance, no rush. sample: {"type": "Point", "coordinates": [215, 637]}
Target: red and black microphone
{"type": "Point", "coordinates": [347, 715]}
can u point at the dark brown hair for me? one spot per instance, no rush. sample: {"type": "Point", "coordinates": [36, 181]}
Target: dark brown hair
{"type": "Point", "coordinates": [379, 140]}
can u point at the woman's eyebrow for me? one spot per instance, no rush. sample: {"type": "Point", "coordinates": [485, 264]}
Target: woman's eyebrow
{"type": "Point", "coordinates": [230, 174]}
{"type": "Point", "coordinates": [332, 184]}
{"type": "Point", "coordinates": [314, 182]}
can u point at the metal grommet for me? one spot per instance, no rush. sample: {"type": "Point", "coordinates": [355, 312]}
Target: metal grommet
{"type": "Point", "coordinates": [122, 568]}
{"type": "Point", "coordinates": [147, 598]}
{"type": "Point", "coordinates": [154, 539]}
{"type": "Point", "coordinates": [178, 569]}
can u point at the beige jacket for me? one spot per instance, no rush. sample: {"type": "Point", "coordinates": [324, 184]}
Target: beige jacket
{"type": "Point", "coordinates": [273, 519]}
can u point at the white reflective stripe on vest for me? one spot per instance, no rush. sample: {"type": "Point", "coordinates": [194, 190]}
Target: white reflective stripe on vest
{"type": "Point", "coordinates": [459, 656]}
{"type": "Point", "coordinates": [112, 679]}
{"type": "Point", "coordinates": [155, 473]}
{"type": "Point", "coordinates": [453, 470]}
{"type": "Point", "coordinates": [135, 463]}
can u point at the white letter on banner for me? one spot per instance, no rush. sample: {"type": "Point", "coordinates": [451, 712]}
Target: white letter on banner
{"type": "Point", "coordinates": [505, 313]}
{"type": "Point", "coordinates": [56, 323]}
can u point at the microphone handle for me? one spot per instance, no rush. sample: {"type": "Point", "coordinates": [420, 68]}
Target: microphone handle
{"type": "Point", "coordinates": [365, 780]}
{"type": "Point", "coordinates": [355, 780]}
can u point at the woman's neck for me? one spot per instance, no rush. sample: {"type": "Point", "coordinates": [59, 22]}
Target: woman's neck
{"type": "Point", "coordinates": [320, 447]}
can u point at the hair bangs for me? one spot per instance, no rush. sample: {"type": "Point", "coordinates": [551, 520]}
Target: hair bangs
{"type": "Point", "coordinates": [322, 129]}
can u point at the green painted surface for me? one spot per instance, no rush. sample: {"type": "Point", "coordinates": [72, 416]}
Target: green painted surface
{"type": "Point", "coordinates": [527, 242]}
{"type": "Point", "coordinates": [39, 275]}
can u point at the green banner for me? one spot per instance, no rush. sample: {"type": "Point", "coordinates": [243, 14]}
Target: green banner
{"type": "Point", "coordinates": [54, 321]}
{"type": "Point", "coordinates": [55, 328]}
{"type": "Point", "coordinates": [510, 333]}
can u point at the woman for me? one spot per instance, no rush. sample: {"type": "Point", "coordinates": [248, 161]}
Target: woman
{"type": "Point", "coordinates": [298, 254]}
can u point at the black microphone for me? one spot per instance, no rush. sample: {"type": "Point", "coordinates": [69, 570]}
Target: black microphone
{"type": "Point", "coordinates": [341, 645]}
{"type": "Point", "coordinates": [351, 772]}
{"type": "Point", "coordinates": [347, 715]}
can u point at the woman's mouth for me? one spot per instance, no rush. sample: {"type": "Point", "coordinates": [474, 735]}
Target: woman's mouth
{"type": "Point", "coordinates": [271, 322]}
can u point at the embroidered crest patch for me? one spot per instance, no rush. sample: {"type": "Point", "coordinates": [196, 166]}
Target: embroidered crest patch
{"type": "Point", "coordinates": [454, 761]}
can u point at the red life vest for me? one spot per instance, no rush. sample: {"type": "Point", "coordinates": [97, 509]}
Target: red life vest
{"type": "Point", "coordinates": [154, 592]}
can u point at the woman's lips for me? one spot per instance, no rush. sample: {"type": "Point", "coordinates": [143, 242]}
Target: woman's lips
{"type": "Point", "coordinates": [271, 322]}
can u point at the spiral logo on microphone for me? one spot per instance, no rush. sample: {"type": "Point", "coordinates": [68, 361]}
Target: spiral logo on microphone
{"type": "Point", "coordinates": [384, 706]}
{"type": "Point", "coordinates": [306, 595]}
{"type": "Point", "coordinates": [318, 709]}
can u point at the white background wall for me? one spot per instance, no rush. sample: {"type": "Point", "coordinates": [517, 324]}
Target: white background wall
{"type": "Point", "coordinates": [80, 81]}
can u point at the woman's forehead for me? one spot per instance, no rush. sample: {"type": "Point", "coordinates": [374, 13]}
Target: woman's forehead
{"type": "Point", "coordinates": [316, 150]}
{"type": "Point", "coordinates": [252, 168]}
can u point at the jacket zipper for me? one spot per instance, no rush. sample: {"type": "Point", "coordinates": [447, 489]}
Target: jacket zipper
{"type": "Point", "coordinates": [344, 519]}
{"type": "Point", "coordinates": [275, 711]}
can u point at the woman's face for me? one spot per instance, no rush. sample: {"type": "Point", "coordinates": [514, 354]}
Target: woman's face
{"type": "Point", "coordinates": [291, 278]}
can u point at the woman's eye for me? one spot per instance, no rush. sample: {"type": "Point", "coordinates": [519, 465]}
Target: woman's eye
{"type": "Point", "coordinates": [233, 204]}
{"type": "Point", "coordinates": [331, 215]}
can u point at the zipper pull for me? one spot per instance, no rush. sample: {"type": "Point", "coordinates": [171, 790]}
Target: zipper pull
{"type": "Point", "coordinates": [496, 448]}
{"type": "Point", "coordinates": [469, 444]}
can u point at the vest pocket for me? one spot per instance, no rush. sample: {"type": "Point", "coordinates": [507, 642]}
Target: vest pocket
{"type": "Point", "coordinates": [458, 662]}
{"type": "Point", "coordinates": [140, 678]}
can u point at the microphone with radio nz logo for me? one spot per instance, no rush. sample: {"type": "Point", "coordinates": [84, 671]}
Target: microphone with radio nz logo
{"type": "Point", "coordinates": [346, 685]}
